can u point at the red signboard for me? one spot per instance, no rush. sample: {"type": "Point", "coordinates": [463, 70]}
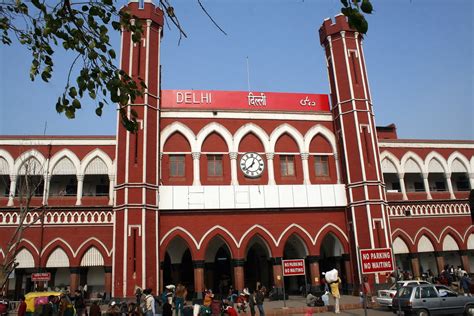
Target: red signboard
{"type": "Point", "coordinates": [293, 267]}
{"type": "Point", "coordinates": [242, 100]}
{"type": "Point", "coordinates": [376, 260]}
{"type": "Point", "coordinates": [45, 276]}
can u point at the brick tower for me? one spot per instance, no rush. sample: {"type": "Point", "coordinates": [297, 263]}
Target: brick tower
{"type": "Point", "coordinates": [357, 138]}
{"type": "Point", "coordinates": [136, 262]}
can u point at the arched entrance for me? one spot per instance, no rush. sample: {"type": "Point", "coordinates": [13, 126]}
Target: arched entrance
{"type": "Point", "coordinates": [178, 265]}
{"type": "Point", "coordinates": [218, 268]}
{"type": "Point", "coordinates": [295, 249]}
{"type": "Point", "coordinates": [258, 267]}
{"type": "Point", "coordinates": [331, 256]}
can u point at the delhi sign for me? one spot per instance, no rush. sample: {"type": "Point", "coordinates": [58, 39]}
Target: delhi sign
{"type": "Point", "coordinates": [376, 260]}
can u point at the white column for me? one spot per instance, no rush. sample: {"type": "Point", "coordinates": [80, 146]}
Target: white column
{"type": "Point", "coordinates": [197, 180]}
{"type": "Point", "coordinates": [80, 186]}
{"type": "Point", "coordinates": [233, 168]}
{"type": "Point", "coordinates": [271, 174]}
{"type": "Point", "coordinates": [450, 185]}
{"type": "Point", "coordinates": [427, 186]}
{"type": "Point", "coordinates": [401, 177]}
{"type": "Point", "coordinates": [11, 195]}
{"type": "Point", "coordinates": [304, 160]}
{"type": "Point", "coordinates": [47, 181]}
{"type": "Point", "coordinates": [111, 189]}
{"type": "Point", "coordinates": [471, 180]}
{"type": "Point", "coordinates": [338, 171]}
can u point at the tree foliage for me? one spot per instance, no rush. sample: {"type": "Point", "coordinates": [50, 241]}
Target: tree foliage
{"type": "Point", "coordinates": [355, 10]}
{"type": "Point", "coordinates": [82, 28]}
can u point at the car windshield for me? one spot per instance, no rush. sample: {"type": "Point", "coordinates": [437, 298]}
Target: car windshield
{"type": "Point", "coordinates": [405, 292]}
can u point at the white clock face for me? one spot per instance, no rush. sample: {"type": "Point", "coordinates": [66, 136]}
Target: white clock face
{"type": "Point", "coordinates": [252, 165]}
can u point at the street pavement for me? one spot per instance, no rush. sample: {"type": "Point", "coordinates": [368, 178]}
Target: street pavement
{"type": "Point", "coordinates": [296, 305]}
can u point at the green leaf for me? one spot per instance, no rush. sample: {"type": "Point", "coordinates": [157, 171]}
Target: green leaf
{"type": "Point", "coordinates": [72, 92]}
{"type": "Point", "coordinates": [76, 104]}
{"type": "Point", "coordinates": [98, 111]}
{"type": "Point", "coordinates": [366, 7]}
{"type": "Point", "coordinates": [345, 3]}
{"type": "Point", "coordinates": [112, 53]}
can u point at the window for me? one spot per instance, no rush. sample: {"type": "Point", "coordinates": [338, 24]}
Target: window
{"type": "Point", "coordinates": [396, 186]}
{"type": "Point", "coordinates": [419, 187]}
{"type": "Point", "coordinates": [287, 166]}
{"type": "Point", "coordinates": [321, 166]}
{"type": "Point", "coordinates": [214, 165]}
{"type": "Point", "coordinates": [176, 166]}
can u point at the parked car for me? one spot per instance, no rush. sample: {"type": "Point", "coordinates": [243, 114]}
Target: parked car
{"type": "Point", "coordinates": [384, 297]}
{"type": "Point", "coordinates": [429, 299]}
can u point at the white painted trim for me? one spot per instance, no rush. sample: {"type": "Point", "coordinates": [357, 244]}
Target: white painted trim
{"type": "Point", "coordinates": [107, 251]}
{"type": "Point", "coordinates": [209, 129]}
{"type": "Point", "coordinates": [64, 153]}
{"type": "Point", "coordinates": [57, 142]}
{"type": "Point", "coordinates": [254, 129]}
{"type": "Point", "coordinates": [286, 129]}
{"type": "Point", "coordinates": [283, 116]}
{"type": "Point", "coordinates": [461, 158]}
{"type": "Point", "coordinates": [414, 144]}
{"type": "Point", "coordinates": [99, 154]}
{"type": "Point", "coordinates": [436, 156]}
{"type": "Point", "coordinates": [53, 241]}
{"type": "Point", "coordinates": [9, 159]}
{"type": "Point", "coordinates": [182, 129]}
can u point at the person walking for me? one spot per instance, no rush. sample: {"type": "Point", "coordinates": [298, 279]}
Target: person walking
{"type": "Point", "coordinates": [79, 303]}
{"type": "Point", "coordinates": [149, 303]}
{"type": "Point", "coordinates": [335, 293]}
{"type": "Point", "coordinates": [259, 298]}
{"type": "Point", "coordinates": [181, 293]}
{"type": "Point", "coordinates": [252, 302]}
{"type": "Point", "coordinates": [465, 284]}
{"type": "Point", "coordinates": [22, 306]}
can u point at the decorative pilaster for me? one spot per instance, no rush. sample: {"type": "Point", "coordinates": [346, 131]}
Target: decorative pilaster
{"type": "Point", "coordinates": [401, 177]}
{"type": "Point", "coordinates": [196, 174]}
{"type": "Point", "coordinates": [11, 195]}
{"type": "Point", "coordinates": [198, 266]}
{"type": "Point", "coordinates": [304, 160]}
{"type": "Point", "coordinates": [74, 278]}
{"type": "Point", "coordinates": [447, 176]}
{"type": "Point", "coordinates": [439, 261]}
{"type": "Point", "coordinates": [271, 173]}
{"type": "Point", "coordinates": [415, 265]}
{"type": "Point", "coordinates": [47, 182]}
{"type": "Point", "coordinates": [80, 187]}
{"type": "Point", "coordinates": [465, 260]}
{"type": "Point", "coordinates": [233, 168]}
{"type": "Point", "coordinates": [471, 180]}
{"type": "Point", "coordinates": [314, 269]}
{"type": "Point", "coordinates": [111, 189]}
{"type": "Point", "coordinates": [427, 186]}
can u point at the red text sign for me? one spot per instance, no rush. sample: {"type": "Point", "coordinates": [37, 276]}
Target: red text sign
{"type": "Point", "coordinates": [293, 267]}
{"type": "Point", "coordinates": [242, 100]}
{"type": "Point", "coordinates": [376, 260]}
{"type": "Point", "coordinates": [45, 276]}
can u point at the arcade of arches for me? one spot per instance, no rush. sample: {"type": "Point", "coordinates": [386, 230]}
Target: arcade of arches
{"type": "Point", "coordinates": [219, 270]}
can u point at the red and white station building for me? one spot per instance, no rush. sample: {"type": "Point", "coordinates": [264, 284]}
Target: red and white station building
{"type": "Point", "coordinates": [217, 187]}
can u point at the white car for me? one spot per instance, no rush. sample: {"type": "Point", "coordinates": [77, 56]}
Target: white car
{"type": "Point", "coordinates": [384, 297]}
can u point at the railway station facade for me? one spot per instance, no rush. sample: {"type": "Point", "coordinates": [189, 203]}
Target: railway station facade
{"type": "Point", "coordinates": [217, 187]}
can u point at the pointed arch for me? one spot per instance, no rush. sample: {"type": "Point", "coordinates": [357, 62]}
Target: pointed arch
{"type": "Point", "coordinates": [449, 243]}
{"type": "Point", "coordinates": [55, 243]}
{"type": "Point", "coordinates": [176, 247]}
{"type": "Point", "coordinates": [25, 243]}
{"type": "Point", "coordinates": [454, 233]}
{"type": "Point", "coordinates": [182, 233]}
{"type": "Point", "coordinates": [24, 157]}
{"type": "Point", "coordinates": [93, 242]}
{"type": "Point", "coordinates": [65, 153]}
{"type": "Point", "coordinates": [25, 259]}
{"type": "Point", "coordinates": [211, 128]}
{"type": "Point", "coordinates": [254, 129]}
{"type": "Point", "coordinates": [298, 230]}
{"type": "Point", "coordinates": [400, 246]}
{"type": "Point", "coordinates": [319, 129]}
{"type": "Point", "coordinates": [413, 156]}
{"type": "Point", "coordinates": [424, 231]}
{"type": "Point", "coordinates": [223, 233]}
{"type": "Point", "coordinates": [263, 233]}
{"type": "Point", "coordinates": [92, 258]}
{"type": "Point", "coordinates": [400, 233]}
{"type": "Point", "coordinates": [436, 156]}
{"type": "Point", "coordinates": [392, 158]}
{"type": "Point", "coordinates": [470, 242]}
{"type": "Point", "coordinates": [97, 153]}
{"type": "Point", "coordinates": [213, 244]}
{"type": "Point", "coordinates": [257, 238]}
{"type": "Point", "coordinates": [301, 245]}
{"type": "Point", "coordinates": [336, 231]}
{"type": "Point", "coordinates": [181, 128]}
{"type": "Point", "coordinates": [57, 259]}
{"type": "Point", "coordinates": [9, 159]}
{"type": "Point", "coordinates": [425, 245]}
{"type": "Point", "coordinates": [286, 129]}
{"type": "Point", "coordinates": [459, 157]}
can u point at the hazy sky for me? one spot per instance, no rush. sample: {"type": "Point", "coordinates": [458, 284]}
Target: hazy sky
{"type": "Point", "coordinates": [419, 57]}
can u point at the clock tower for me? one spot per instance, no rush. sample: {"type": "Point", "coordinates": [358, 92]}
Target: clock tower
{"type": "Point", "coordinates": [135, 261]}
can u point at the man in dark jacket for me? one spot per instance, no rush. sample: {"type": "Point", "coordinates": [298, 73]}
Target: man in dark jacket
{"type": "Point", "coordinates": [259, 297]}
{"type": "Point", "coordinates": [79, 303]}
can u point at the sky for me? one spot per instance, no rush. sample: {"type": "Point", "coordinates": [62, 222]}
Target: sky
{"type": "Point", "coordinates": [419, 55]}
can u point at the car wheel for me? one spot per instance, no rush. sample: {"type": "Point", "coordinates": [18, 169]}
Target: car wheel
{"type": "Point", "coordinates": [422, 312]}
{"type": "Point", "coordinates": [469, 310]}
